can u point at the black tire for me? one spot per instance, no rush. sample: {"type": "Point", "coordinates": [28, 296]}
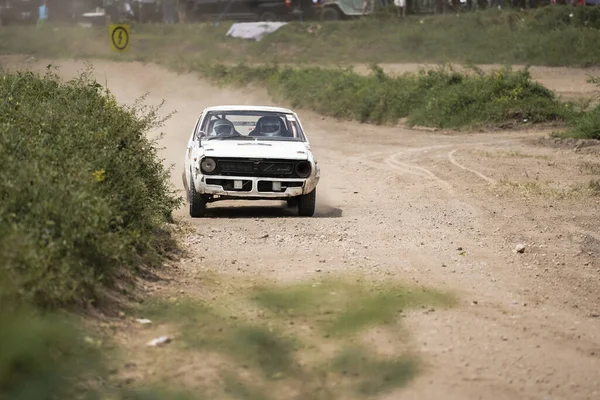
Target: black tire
{"type": "Point", "coordinates": [307, 204]}
{"type": "Point", "coordinates": [185, 183]}
{"type": "Point", "coordinates": [330, 14]}
{"type": "Point", "coordinates": [197, 202]}
{"type": "Point", "coordinates": [292, 202]}
{"type": "Point", "coordinates": [268, 16]}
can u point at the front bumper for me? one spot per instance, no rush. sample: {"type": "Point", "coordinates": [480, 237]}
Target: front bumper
{"type": "Point", "coordinates": [254, 187]}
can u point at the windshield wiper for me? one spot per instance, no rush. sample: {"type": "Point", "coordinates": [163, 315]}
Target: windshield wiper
{"type": "Point", "coordinates": [231, 137]}
{"type": "Point", "coordinates": [257, 143]}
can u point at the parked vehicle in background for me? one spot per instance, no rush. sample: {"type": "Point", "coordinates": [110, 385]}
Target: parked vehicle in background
{"type": "Point", "coordinates": [19, 11]}
{"type": "Point", "coordinates": [347, 9]}
{"type": "Point", "coordinates": [250, 10]}
{"type": "Point", "coordinates": [140, 11]}
{"type": "Point", "coordinates": [332, 10]}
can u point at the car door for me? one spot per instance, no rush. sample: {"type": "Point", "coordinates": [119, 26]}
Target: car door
{"type": "Point", "coordinates": [237, 10]}
{"type": "Point", "coordinates": [189, 154]}
{"type": "Point", "coordinates": [355, 7]}
{"type": "Point", "coordinates": [206, 10]}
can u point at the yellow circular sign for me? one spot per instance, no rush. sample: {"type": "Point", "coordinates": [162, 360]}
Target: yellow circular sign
{"type": "Point", "coordinates": [120, 38]}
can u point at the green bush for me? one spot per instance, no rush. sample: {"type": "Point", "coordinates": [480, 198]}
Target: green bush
{"type": "Point", "coordinates": [440, 98]}
{"type": "Point", "coordinates": [547, 19]}
{"type": "Point", "coordinates": [586, 126]}
{"type": "Point", "coordinates": [45, 357]}
{"type": "Point", "coordinates": [83, 194]}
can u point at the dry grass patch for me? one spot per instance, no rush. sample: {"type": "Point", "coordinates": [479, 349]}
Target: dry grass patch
{"type": "Point", "coordinates": [589, 167]}
{"type": "Point", "coordinates": [546, 189]}
{"type": "Point", "coordinates": [300, 341]}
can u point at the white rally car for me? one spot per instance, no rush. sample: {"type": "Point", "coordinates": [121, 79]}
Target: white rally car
{"type": "Point", "coordinates": [250, 153]}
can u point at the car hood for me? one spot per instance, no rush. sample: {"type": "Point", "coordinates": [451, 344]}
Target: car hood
{"type": "Point", "coordinates": [256, 149]}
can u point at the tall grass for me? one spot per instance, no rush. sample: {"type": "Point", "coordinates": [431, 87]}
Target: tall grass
{"type": "Point", "coordinates": [442, 97]}
{"type": "Point", "coordinates": [437, 97]}
{"type": "Point", "coordinates": [554, 35]}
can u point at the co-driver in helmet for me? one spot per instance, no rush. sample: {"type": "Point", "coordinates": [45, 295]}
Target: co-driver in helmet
{"type": "Point", "coordinates": [224, 127]}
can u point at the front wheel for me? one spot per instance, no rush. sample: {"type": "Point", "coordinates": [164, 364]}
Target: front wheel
{"type": "Point", "coordinates": [330, 14]}
{"type": "Point", "coordinates": [307, 203]}
{"type": "Point", "coordinates": [197, 202]}
{"type": "Point", "coordinates": [268, 16]}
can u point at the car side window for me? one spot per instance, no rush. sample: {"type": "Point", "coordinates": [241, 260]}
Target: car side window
{"type": "Point", "coordinates": [293, 129]}
{"type": "Point", "coordinates": [197, 129]}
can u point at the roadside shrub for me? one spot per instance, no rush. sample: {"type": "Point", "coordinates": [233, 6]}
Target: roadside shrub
{"type": "Point", "coordinates": [83, 194]}
{"type": "Point", "coordinates": [504, 96]}
{"type": "Point", "coordinates": [586, 125]}
{"type": "Point", "coordinates": [545, 19]}
{"type": "Point", "coordinates": [438, 97]}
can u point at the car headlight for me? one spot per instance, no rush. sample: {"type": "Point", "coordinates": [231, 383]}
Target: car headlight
{"type": "Point", "coordinates": [208, 165]}
{"type": "Point", "coordinates": [303, 169]}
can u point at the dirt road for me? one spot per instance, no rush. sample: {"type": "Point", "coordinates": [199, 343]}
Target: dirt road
{"type": "Point", "coordinates": [433, 208]}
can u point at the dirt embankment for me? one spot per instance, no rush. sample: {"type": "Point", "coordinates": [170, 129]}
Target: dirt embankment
{"type": "Point", "coordinates": [432, 208]}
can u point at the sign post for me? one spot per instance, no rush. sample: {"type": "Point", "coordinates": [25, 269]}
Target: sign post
{"type": "Point", "coordinates": [119, 37]}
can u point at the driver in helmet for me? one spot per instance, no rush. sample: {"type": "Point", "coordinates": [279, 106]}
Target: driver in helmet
{"type": "Point", "coordinates": [224, 127]}
{"type": "Point", "coordinates": [270, 126]}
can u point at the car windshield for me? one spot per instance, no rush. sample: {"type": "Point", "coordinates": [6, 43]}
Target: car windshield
{"type": "Point", "coordinates": [251, 125]}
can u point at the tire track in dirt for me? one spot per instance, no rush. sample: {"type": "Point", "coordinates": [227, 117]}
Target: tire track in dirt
{"type": "Point", "coordinates": [393, 162]}
{"type": "Point", "coordinates": [479, 174]}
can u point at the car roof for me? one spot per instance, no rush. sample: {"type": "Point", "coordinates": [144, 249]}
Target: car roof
{"type": "Point", "coordinates": [248, 108]}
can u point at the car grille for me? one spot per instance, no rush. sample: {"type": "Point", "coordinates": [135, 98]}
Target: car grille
{"type": "Point", "coordinates": [258, 168]}
{"type": "Point", "coordinates": [267, 186]}
{"type": "Point", "coordinates": [228, 184]}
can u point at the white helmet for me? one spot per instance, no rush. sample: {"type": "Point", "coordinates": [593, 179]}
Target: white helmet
{"type": "Point", "coordinates": [270, 126]}
{"type": "Point", "coordinates": [223, 127]}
